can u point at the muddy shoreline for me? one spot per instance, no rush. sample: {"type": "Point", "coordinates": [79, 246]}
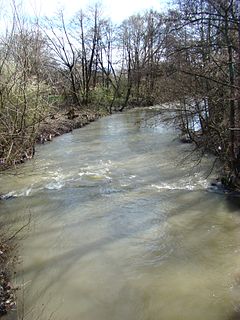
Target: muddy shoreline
{"type": "Point", "coordinates": [66, 121]}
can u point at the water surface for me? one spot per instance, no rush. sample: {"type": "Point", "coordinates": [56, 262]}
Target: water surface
{"type": "Point", "coordinates": [123, 228]}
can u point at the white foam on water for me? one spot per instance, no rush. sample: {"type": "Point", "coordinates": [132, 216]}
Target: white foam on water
{"type": "Point", "coordinates": [14, 194]}
{"type": "Point", "coordinates": [101, 170]}
{"type": "Point", "coordinates": [9, 195]}
{"type": "Point", "coordinates": [55, 185]}
{"type": "Point", "coordinates": [184, 184]}
{"type": "Point", "coordinates": [96, 174]}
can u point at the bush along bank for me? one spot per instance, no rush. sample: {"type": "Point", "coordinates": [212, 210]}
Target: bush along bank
{"type": "Point", "coordinates": [51, 126]}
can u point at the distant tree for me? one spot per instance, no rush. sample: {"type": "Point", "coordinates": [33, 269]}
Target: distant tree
{"type": "Point", "coordinates": [61, 43]}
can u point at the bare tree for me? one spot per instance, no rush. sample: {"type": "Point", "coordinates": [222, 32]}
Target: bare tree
{"type": "Point", "coordinates": [23, 91]}
{"type": "Point", "coordinates": [65, 54]}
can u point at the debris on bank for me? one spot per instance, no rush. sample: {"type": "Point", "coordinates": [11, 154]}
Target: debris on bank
{"type": "Point", "coordinates": [7, 290]}
{"type": "Point", "coordinates": [56, 124]}
{"type": "Point", "coordinates": [64, 122]}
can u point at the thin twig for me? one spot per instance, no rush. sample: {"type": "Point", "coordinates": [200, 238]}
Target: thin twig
{"type": "Point", "coordinates": [19, 230]}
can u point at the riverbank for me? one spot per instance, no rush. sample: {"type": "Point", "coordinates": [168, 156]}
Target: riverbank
{"type": "Point", "coordinates": [7, 262]}
{"type": "Point", "coordinates": [65, 121]}
{"type": "Point", "coordinates": [58, 122]}
{"type": "Point", "coordinates": [107, 201]}
{"type": "Point", "coordinates": [54, 125]}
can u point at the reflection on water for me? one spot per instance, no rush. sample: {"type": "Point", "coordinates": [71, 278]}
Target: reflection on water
{"type": "Point", "coordinates": [119, 230]}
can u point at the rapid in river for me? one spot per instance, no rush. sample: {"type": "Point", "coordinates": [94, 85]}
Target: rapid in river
{"type": "Point", "coordinates": [122, 227]}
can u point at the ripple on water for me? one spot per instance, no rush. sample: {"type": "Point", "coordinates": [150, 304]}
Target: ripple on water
{"type": "Point", "coordinates": [186, 183]}
{"type": "Point", "coordinates": [131, 236]}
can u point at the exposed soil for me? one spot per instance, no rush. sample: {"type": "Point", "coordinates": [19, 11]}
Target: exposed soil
{"type": "Point", "coordinates": [65, 121]}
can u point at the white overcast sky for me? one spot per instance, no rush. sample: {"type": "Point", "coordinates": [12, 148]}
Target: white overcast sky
{"type": "Point", "coordinates": [116, 9]}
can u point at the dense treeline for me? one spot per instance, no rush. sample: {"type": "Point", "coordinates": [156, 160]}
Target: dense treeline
{"type": "Point", "coordinates": [189, 55]}
{"type": "Point", "coordinates": [206, 59]}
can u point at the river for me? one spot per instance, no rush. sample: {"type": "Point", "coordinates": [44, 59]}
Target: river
{"type": "Point", "coordinates": [122, 227]}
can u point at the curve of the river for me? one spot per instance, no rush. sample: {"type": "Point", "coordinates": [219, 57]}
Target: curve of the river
{"type": "Point", "coordinates": [123, 228]}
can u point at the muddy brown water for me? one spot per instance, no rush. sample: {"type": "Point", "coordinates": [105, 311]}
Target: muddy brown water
{"type": "Point", "coordinates": [121, 228]}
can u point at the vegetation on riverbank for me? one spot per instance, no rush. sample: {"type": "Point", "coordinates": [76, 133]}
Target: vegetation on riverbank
{"type": "Point", "coordinates": [66, 121]}
{"type": "Point", "coordinates": [59, 74]}
{"type": "Point", "coordinates": [189, 55]}
{"type": "Point", "coordinates": [206, 69]}
{"type": "Point", "coordinates": [7, 262]}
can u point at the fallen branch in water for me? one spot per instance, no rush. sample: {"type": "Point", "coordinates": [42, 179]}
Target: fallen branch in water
{"type": "Point", "coordinates": [19, 230]}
